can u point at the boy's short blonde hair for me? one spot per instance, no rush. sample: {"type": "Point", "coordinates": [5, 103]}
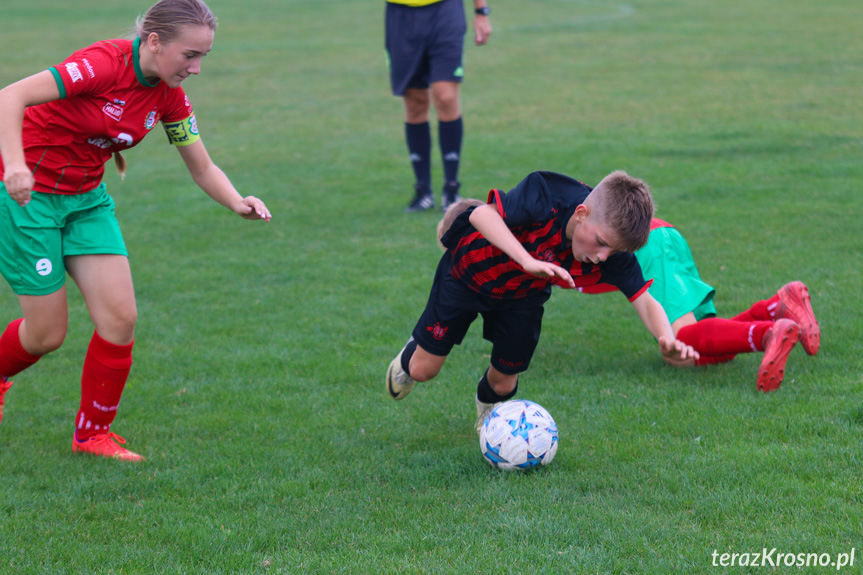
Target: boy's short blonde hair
{"type": "Point", "coordinates": [451, 214]}
{"type": "Point", "coordinates": [624, 205]}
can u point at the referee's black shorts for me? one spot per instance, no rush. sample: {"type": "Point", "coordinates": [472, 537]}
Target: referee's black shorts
{"type": "Point", "coordinates": [425, 44]}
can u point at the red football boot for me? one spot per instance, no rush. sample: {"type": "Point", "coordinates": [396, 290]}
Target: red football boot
{"type": "Point", "coordinates": [778, 343]}
{"type": "Point", "coordinates": [794, 304]}
{"type": "Point", "coordinates": [103, 445]}
{"type": "Point", "coordinates": [5, 384]}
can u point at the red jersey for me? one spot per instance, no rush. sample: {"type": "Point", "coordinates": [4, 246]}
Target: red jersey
{"type": "Point", "coordinates": [106, 105]}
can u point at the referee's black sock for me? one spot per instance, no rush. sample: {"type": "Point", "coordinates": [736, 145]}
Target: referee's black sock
{"type": "Point", "coordinates": [486, 394]}
{"type": "Point", "coordinates": [450, 136]}
{"type": "Point", "coordinates": [418, 138]}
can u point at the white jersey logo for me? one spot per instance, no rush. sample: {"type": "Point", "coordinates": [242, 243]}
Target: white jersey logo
{"type": "Point", "coordinates": [89, 67]}
{"type": "Point", "coordinates": [74, 72]}
{"type": "Point", "coordinates": [105, 143]}
{"type": "Point", "coordinates": [44, 267]}
{"type": "Point", "coordinates": [113, 111]}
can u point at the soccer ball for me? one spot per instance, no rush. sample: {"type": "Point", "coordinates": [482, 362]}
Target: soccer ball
{"type": "Point", "coordinates": [518, 434]}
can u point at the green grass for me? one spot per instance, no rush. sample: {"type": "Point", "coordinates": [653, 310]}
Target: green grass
{"type": "Point", "coordinates": [257, 391]}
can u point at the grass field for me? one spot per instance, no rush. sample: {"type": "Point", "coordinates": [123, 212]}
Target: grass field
{"type": "Point", "coordinates": [257, 390]}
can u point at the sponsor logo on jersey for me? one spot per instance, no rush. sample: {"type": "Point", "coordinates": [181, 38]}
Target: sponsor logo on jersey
{"type": "Point", "coordinates": [89, 67]}
{"type": "Point", "coordinates": [74, 72]}
{"type": "Point", "coordinates": [114, 110]}
{"type": "Point", "coordinates": [105, 143]}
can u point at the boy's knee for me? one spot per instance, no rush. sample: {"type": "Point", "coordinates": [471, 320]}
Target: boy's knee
{"type": "Point", "coordinates": [422, 372]}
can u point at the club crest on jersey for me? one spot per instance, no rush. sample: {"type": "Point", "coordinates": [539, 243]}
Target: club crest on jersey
{"type": "Point", "coordinates": [437, 331]}
{"type": "Point", "coordinates": [151, 120]}
{"type": "Point", "coordinates": [548, 256]}
{"type": "Point", "coordinates": [114, 110]}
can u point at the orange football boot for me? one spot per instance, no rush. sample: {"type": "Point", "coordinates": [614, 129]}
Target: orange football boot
{"type": "Point", "coordinates": [778, 343]}
{"type": "Point", "coordinates": [795, 304]}
{"type": "Point", "coordinates": [104, 445]}
{"type": "Point", "coordinates": [5, 384]}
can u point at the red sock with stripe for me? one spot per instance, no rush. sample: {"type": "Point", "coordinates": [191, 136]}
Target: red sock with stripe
{"type": "Point", "coordinates": [764, 310]}
{"type": "Point", "coordinates": [717, 336]}
{"type": "Point", "coordinates": [13, 357]}
{"type": "Point", "coordinates": [106, 369]}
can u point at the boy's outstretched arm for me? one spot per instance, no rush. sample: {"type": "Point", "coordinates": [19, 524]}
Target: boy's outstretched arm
{"type": "Point", "coordinates": [488, 222]}
{"type": "Point", "coordinates": [673, 351]}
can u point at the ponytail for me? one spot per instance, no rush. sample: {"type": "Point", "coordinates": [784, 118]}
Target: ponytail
{"type": "Point", "coordinates": [121, 164]}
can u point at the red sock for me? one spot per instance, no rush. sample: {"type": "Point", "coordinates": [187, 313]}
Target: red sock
{"type": "Point", "coordinates": [713, 359]}
{"type": "Point", "coordinates": [106, 369]}
{"type": "Point", "coordinates": [14, 358]}
{"type": "Point", "coordinates": [764, 310]}
{"type": "Point", "coordinates": [717, 336]}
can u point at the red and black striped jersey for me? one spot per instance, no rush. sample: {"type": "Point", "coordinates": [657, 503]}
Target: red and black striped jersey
{"type": "Point", "coordinates": [536, 211]}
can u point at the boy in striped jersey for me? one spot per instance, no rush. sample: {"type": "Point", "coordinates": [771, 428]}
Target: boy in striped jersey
{"type": "Point", "coordinates": [502, 259]}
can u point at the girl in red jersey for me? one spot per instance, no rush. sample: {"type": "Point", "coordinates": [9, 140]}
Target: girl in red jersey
{"type": "Point", "coordinates": [58, 128]}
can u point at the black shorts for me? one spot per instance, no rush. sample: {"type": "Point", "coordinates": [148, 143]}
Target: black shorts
{"type": "Point", "coordinates": [425, 44]}
{"type": "Point", "coordinates": [512, 326]}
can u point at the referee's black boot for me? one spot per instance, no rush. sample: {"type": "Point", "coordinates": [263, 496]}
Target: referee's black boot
{"type": "Point", "coordinates": [450, 195]}
{"type": "Point", "coordinates": [423, 199]}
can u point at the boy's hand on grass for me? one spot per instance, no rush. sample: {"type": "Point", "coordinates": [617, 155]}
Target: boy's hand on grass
{"type": "Point", "coordinates": [675, 352]}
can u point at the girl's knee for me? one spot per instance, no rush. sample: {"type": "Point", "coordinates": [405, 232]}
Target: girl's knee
{"type": "Point", "coordinates": [40, 342]}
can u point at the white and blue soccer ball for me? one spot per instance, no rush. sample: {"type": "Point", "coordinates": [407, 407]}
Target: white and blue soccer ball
{"type": "Point", "coordinates": [518, 434]}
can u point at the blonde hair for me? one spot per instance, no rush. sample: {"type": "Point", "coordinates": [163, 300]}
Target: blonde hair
{"type": "Point", "coordinates": [167, 18]}
{"type": "Point", "coordinates": [624, 205]}
{"type": "Point", "coordinates": [451, 214]}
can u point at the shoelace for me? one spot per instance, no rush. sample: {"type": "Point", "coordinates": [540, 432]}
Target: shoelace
{"type": "Point", "coordinates": [107, 437]}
